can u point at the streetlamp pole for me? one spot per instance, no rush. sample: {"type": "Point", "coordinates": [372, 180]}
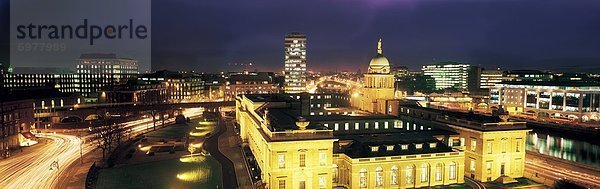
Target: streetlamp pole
{"type": "Point", "coordinates": [80, 149]}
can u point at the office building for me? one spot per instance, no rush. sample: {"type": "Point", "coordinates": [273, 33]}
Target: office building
{"type": "Point", "coordinates": [566, 100]}
{"type": "Point", "coordinates": [295, 63]}
{"type": "Point", "coordinates": [489, 78]}
{"type": "Point", "coordinates": [528, 75]}
{"type": "Point", "coordinates": [250, 83]}
{"type": "Point", "coordinates": [134, 92]}
{"type": "Point", "coordinates": [453, 75]}
{"type": "Point", "coordinates": [181, 87]}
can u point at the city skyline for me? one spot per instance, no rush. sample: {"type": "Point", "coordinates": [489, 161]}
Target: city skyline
{"type": "Point", "coordinates": [532, 36]}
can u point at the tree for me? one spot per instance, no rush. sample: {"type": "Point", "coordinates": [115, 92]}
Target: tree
{"type": "Point", "coordinates": [107, 136]}
{"type": "Point", "coordinates": [154, 113]}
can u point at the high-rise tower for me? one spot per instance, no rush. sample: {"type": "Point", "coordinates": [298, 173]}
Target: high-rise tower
{"type": "Point", "coordinates": [295, 63]}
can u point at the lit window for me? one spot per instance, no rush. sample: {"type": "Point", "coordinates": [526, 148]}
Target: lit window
{"type": "Point", "coordinates": [410, 174]}
{"type": "Point", "coordinates": [322, 158]}
{"type": "Point", "coordinates": [374, 148]}
{"type": "Point", "coordinates": [281, 160]}
{"type": "Point", "coordinates": [281, 184]}
{"type": "Point", "coordinates": [394, 176]}
{"type": "Point", "coordinates": [389, 147]}
{"type": "Point", "coordinates": [438, 172]}
{"type": "Point", "coordinates": [362, 178]}
{"type": "Point", "coordinates": [473, 144]}
{"type": "Point", "coordinates": [302, 160]}
{"type": "Point", "coordinates": [322, 182]}
{"type": "Point", "coordinates": [418, 146]}
{"type": "Point", "coordinates": [424, 172]}
{"type": "Point", "coordinates": [404, 147]}
{"type": "Point", "coordinates": [378, 177]}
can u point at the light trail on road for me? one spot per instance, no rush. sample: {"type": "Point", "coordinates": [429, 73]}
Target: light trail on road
{"type": "Point", "coordinates": [32, 169]}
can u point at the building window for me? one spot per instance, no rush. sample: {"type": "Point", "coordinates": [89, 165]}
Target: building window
{"type": "Point", "coordinates": [410, 174]}
{"type": "Point", "coordinates": [488, 167]}
{"type": "Point", "coordinates": [322, 158]}
{"type": "Point", "coordinates": [281, 184]}
{"type": "Point", "coordinates": [367, 125]}
{"type": "Point", "coordinates": [362, 178]}
{"type": "Point", "coordinates": [322, 182]}
{"type": "Point", "coordinates": [281, 160]}
{"type": "Point", "coordinates": [424, 172]}
{"type": "Point", "coordinates": [438, 172]}
{"type": "Point", "coordinates": [389, 148]}
{"type": "Point", "coordinates": [472, 166]}
{"type": "Point", "coordinates": [518, 145]}
{"type": "Point", "coordinates": [504, 142]}
{"type": "Point", "coordinates": [418, 146]}
{"type": "Point", "coordinates": [374, 148]}
{"type": "Point", "coordinates": [386, 125]}
{"type": "Point", "coordinates": [336, 126]}
{"type": "Point", "coordinates": [376, 125]}
{"type": "Point", "coordinates": [356, 126]}
{"type": "Point", "coordinates": [394, 176]}
{"type": "Point", "coordinates": [452, 169]}
{"type": "Point", "coordinates": [302, 160]}
{"type": "Point", "coordinates": [404, 147]}
{"type": "Point", "coordinates": [379, 177]}
{"type": "Point", "coordinates": [473, 144]}
{"type": "Point", "coordinates": [346, 126]}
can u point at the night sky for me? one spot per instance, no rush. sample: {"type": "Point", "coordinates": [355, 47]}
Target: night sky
{"type": "Point", "coordinates": [209, 35]}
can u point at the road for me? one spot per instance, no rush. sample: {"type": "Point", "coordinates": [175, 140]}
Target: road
{"type": "Point", "coordinates": [552, 170]}
{"type": "Point", "coordinates": [31, 169]}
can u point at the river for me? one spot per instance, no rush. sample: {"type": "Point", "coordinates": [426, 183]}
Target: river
{"type": "Point", "coordinates": [567, 148]}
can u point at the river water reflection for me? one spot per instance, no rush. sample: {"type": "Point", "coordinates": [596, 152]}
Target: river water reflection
{"type": "Point", "coordinates": [565, 148]}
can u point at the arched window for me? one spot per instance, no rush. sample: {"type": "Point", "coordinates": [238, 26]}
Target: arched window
{"type": "Point", "coordinates": [378, 176]}
{"type": "Point", "coordinates": [452, 170]}
{"type": "Point", "coordinates": [424, 172]}
{"type": "Point", "coordinates": [362, 178]}
{"type": "Point", "coordinates": [394, 176]}
{"type": "Point", "coordinates": [410, 174]}
{"type": "Point", "coordinates": [439, 172]}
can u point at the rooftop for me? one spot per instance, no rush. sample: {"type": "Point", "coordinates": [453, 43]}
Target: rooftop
{"type": "Point", "coordinates": [415, 143]}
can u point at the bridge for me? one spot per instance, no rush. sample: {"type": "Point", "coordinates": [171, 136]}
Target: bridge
{"type": "Point", "coordinates": [89, 112]}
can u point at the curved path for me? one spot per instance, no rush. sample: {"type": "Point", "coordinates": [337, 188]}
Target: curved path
{"type": "Point", "coordinates": [227, 168]}
{"type": "Point", "coordinates": [32, 169]}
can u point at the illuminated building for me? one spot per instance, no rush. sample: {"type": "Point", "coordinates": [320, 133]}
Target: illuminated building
{"type": "Point", "coordinates": [134, 92]}
{"type": "Point", "coordinates": [295, 63]}
{"type": "Point", "coordinates": [16, 117]}
{"type": "Point", "coordinates": [489, 78]}
{"type": "Point", "coordinates": [181, 87]}
{"type": "Point", "coordinates": [214, 86]}
{"type": "Point", "coordinates": [93, 72]}
{"type": "Point", "coordinates": [528, 75]}
{"type": "Point", "coordinates": [345, 148]}
{"type": "Point", "coordinates": [453, 75]}
{"type": "Point", "coordinates": [98, 70]}
{"type": "Point", "coordinates": [250, 83]}
{"type": "Point", "coordinates": [378, 87]}
{"type": "Point", "coordinates": [494, 147]}
{"type": "Point", "coordinates": [291, 151]}
{"type": "Point", "coordinates": [566, 100]}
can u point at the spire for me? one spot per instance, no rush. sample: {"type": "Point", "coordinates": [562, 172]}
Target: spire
{"type": "Point", "coordinates": [379, 50]}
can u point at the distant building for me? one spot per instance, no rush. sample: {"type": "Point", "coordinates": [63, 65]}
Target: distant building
{"type": "Point", "coordinates": [295, 63]}
{"type": "Point", "coordinates": [181, 87]}
{"type": "Point", "coordinates": [453, 75]}
{"type": "Point", "coordinates": [378, 85]}
{"type": "Point", "coordinates": [528, 75]}
{"type": "Point", "coordinates": [93, 72]}
{"type": "Point", "coordinates": [399, 71]}
{"type": "Point", "coordinates": [250, 83]}
{"type": "Point", "coordinates": [573, 100]}
{"type": "Point", "coordinates": [46, 100]}
{"type": "Point", "coordinates": [489, 78]}
{"type": "Point", "coordinates": [214, 86]}
{"type": "Point", "coordinates": [134, 93]}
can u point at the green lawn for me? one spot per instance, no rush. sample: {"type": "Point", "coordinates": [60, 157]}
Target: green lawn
{"type": "Point", "coordinates": [171, 173]}
{"type": "Point", "coordinates": [177, 173]}
{"type": "Point", "coordinates": [172, 131]}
